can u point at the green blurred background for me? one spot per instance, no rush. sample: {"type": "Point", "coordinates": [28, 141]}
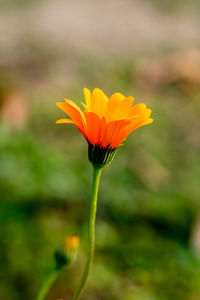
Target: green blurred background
{"type": "Point", "coordinates": [148, 226]}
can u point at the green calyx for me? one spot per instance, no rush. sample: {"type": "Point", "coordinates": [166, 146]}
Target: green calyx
{"type": "Point", "coordinates": [99, 156]}
{"type": "Point", "coordinates": [60, 258]}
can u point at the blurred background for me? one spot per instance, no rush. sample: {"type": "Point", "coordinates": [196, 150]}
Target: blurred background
{"type": "Point", "coordinates": [148, 225]}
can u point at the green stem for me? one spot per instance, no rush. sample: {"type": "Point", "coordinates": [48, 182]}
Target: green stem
{"type": "Point", "coordinates": [47, 285]}
{"type": "Point", "coordinates": [91, 238]}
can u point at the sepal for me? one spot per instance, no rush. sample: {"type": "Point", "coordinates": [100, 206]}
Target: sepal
{"type": "Point", "coordinates": [100, 156]}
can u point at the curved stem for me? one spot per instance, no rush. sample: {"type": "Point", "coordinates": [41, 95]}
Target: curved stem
{"type": "Point", "coordinates": [47, 285]}
{"type": "Point", "coordinates": [91, 238]}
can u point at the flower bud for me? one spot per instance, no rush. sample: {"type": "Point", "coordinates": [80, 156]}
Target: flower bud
{"type": "Point", "coordinates": [67, 255]}
{"type": "Point", "coordinates": [71, 244]}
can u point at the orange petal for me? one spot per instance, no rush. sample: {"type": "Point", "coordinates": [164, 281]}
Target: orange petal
{"type": "Point", "coordinates": [145, 122]}
{"type": "Point", "coordinates": [119, 107]}
{"type": "Point", "coordinates": [138, 123]}
{"type": "Point", "coordinates": [85, 106]}
{"type": "Point", "coordinates": [129, 128]}
{"type": "Point", "coordinates": [92, 127]}
{"type": "Point", "coordinates": [103, 125]}
{"type": "Point", "coordinates": [148, 112]}
{"type": "Point", "coordinates": [87, 95]}
{"type": "Point", "coordinates": [99, 103]}
{"type": "Point", "coordinates": [73, 111]}
{"type": "Point", "coordinates": [122, 136]}
{"type": "Point", "coordinates": [61, 121]}
{"type": "Point", "coordinates": [127, 102]}
{"type": "Point", "coordinates": [116, 98]}
{"type": "Point", "coordinates": [113, 103]}
{"type": "Point", "coordinates": [138, 109]}
{"type": "Point", "coordinates": [112, 131]}
{"type": "Point", "coordinates": [124, 107]}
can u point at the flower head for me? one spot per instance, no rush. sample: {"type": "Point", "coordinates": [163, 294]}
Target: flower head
{"type": "Point", "coordinates": [105, 122]}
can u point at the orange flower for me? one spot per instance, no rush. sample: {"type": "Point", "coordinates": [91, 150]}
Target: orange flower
{"type": "Point", "coordinates": [105, 123]}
